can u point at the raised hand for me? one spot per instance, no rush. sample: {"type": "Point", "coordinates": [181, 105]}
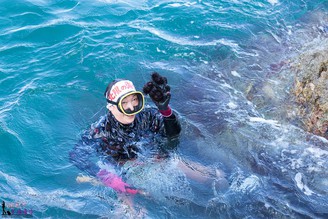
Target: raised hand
{"type": "Point", "coordinates": [159, 92]}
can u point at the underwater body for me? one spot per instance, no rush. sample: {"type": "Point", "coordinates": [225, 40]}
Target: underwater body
{"type": "Point", "coordinates": [226, 64]}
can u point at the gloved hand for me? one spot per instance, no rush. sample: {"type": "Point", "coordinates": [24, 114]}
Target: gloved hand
{"type": "Point", "coordinates": [114, 181]}
{"type": "Point", "coordinates": [159, 92]}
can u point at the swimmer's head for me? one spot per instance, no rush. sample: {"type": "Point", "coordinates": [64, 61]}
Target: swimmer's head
{"type": "Point", "coordinates": [123, 100]}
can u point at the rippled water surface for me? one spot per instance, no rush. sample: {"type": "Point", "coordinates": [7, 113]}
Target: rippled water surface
{"type": "Point", "coordinates": [224, 61]}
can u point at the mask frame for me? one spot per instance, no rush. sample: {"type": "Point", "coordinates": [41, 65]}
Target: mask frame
{"type": "Point", "coordinates": [137, 109]}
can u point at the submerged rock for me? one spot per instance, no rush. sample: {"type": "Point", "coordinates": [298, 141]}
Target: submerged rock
{"type": "Point", "coordinates": [311, 87]}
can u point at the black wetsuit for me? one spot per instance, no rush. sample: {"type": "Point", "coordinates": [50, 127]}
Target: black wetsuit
{"type": "Point", "coordinates": [117, 142]}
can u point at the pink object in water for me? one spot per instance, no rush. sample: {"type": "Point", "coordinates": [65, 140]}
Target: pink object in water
{"type": "Point", "coordinates": [115, 182]}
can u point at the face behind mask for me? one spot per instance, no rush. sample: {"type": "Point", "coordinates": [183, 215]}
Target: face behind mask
{"type": "Point", "coordinates": [130, 103]}
{"type": "Point", "coordinates": [123, 94]}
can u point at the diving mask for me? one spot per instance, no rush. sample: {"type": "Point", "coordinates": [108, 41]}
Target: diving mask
{"type": "Point", "coordinates": [122, 93]}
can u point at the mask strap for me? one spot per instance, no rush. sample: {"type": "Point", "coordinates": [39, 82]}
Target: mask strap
{"type": "Point", "coordinates": [112, 102]}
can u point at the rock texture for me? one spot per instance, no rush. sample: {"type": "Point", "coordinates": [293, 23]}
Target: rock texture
{"type": "Point", "coordinates": [311, 87]}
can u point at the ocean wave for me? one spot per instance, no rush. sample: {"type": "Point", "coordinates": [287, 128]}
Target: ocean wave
{"type": "Point", "coordinates": [65, 10]}
{"type": "Point", "coordinates": [12, 47]}
{"type": "Point", "coordinates": [124, 6]}
{"type": "Point", "coordinates": [39, 201]}
{"type": "Point", "coordinates": [184, 41]}
{"type": "Point", "coordinates": [181, 4]}
{"type": "Point", "coordinates": [8, 105]}
{"type": "Point", "coordinates": [47, 24]}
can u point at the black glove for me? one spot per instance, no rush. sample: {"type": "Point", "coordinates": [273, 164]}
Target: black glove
{"type": "Point", "coordinates": [159, 92]}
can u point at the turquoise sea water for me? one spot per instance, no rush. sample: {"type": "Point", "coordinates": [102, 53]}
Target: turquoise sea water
{"type": "Point", "coordinates": [56, 58]}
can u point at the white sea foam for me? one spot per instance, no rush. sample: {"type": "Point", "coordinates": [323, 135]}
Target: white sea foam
{"type": "Point", "coordinates": [301, 184]}
{"type": "Point", "coordinates": [39, 2]}
{"type": "Point", "coordinates": [262, 120]}
{"type": "Point", "coordinates": [235, 73]}
{"type": "Point", "coordinates": [184, 41]}
{"type": "Point", "coordinates": [59, 11]}
{"type": "Point", "coordinates": [250, 183]}
{"type": "Point", "coordinates": [176, 5]}
{"type": "Point", "coordinates": [161, 51]}
{"type": "Point", "coordinates": [245, 185]}
{"type": "Point", "coordinates": [273, 2]}
{"type": "Point", "coordinates": [224, 84]}
{"type": "Point", "coordinates": [13, 47]}
{"type": "Point", "coordinates": [317, 152]}
{"type": "Point", "coordinates": [131, 3]}
{"type": "Point", "coordinates": [54, 22]}
{"type": "Point", "coordinates": [28, 85]}
{"type": "Point", "coordinates": [232, 105]}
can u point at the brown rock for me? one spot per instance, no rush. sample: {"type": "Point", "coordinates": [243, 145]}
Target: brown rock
{"type": "Point", "coordinates": [311, 87]}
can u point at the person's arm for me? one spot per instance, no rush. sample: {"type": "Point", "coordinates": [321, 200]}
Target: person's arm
{"type": "Point", "coordinates": [82, 153]}
{"type": "Point", "coordinates": [159, 92]}
{"type": "Point", "coordinates": [85, 156]}
{"type": "Point", "coordinates": [172, 126]}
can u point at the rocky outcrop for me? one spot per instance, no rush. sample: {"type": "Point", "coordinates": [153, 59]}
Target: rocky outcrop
{"type": "Point", "coordinates": [311, 87]}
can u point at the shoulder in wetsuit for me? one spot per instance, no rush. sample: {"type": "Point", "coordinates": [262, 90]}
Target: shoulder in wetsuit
{"type": "Point", "coordinates": [116, 141]}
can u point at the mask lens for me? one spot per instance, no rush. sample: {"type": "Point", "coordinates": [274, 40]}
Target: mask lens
{"type": "Point", "coordinates": [131, 103]}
